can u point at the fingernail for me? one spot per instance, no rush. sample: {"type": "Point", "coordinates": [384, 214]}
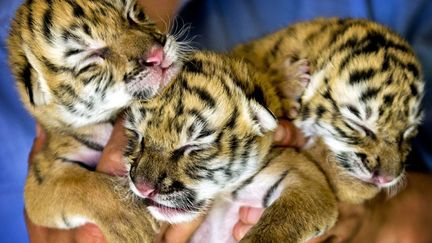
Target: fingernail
{"type": "Point", "coordinates": [253, 215]}
{"type": "Point", "coordinates": [279, 134]}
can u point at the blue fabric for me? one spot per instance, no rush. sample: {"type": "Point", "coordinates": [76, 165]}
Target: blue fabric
{"type": "Point", "coordinates": [219, 25]}
{"type": "Point", "coordinates": [16, 134]}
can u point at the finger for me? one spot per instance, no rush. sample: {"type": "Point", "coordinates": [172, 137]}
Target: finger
{"type": "Point", "coordinates": [89, 233]}
{"type": "Point", "coordinates": [111, 161]}
{"type": "Point", "coordinates": [40, 234]}
{"type": "Point", "coordinates": [287, 134]}
{"type": "Point", "coordinates": [38, 142]}
{"type": "Point", "coordinates": [179, 233]}
{"type": "Point", "coordinates": [240, 229]}
{"type": "Point", "coordinates": [35, 233]}
{"type": "Point", "coordinates": [249, 215]}
{"type": "Point", "coordinates": [162, 230]}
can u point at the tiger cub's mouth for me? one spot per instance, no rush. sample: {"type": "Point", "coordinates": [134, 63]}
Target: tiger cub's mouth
{"type": "Point", "coordinates": [151, 203]}
{"type": "Point", "coordinates": [155, 72]}
{"type": "Point", "coordinates": [173, 214]}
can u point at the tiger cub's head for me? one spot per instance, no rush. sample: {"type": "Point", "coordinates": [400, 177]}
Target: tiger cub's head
{"type": "Point", "coordinates": [366, 104]}
{"type": "Point", "coordinates": [202, 135]}
{"type": "Point", "coordinates": [79, 62]}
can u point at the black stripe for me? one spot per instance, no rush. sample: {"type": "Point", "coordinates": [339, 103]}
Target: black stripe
{"type": "Point", "coordinates": [320, 111]}
{"type": "Point", "coordinates": [327, 95]}
{"type": "Point", "coordinates": [275, 152]}
{"type": "Point", "coordinates": [258, 95]}
{"type": "Point", "coordinates": [244, 184]}
{"type": "Point", "coordinates": [317, 33]}
{"type": "Point", "coordinates": [385, 64]}
{"type": "Point", "coordinates": [369, 93]}
{"type": "Point", "coordinates": [272, 189]}
{"type": "Point", "coordinates": [341, 133]}
{"type": "Point", "coordinates": [245, 156]}
{"type": "Point", "coordinates": [37, 173]}
{"type": "Point", "coordinates": [204, 96]}
{"type": "Point", "coordinates": [388, 99]}
{"type": "Point", "coordinates": [224, 85]}
{"type": "Point", "coordinates": [198, 116]}
{"type": "Point", "coordinates": [242, 85]}
{"type": "Point", "coordinates": [233, 119]}
{"type": "Point", "coordinates": [26, 77]}
{"type": "Point", "coordinates": [305, 112]}
{"type": "Point", "coordinates": [47, 24]}
{"type": "Point", "coordinates": [190, 131]}
{"type": "Point", "coordinates": [80, 163]}
{"type": "Point", "coordinates": [66, 221]}
{"type": "Point", "coordinates": [273, 52]}
{"type": "Point", "coordinates": [88, 143]}
{"type": "Point", "coordinates": [353, 110]}
{"type": "Point", "coordinates": [64, 91]}
{"type": "Point", "coordinates": [85, 69]}
{"type": "Point", "coordinates": [363, 158]}
{"type": "Point", "coordinates": [413, 69]}
{"type": "Point", "coordinates": [234, 146]}
{"type": "Point", "coordinates": [67, 34]}
{"type": "Point", "coordinates": [54, 68]}
{"type": "Point", "coordinates": [198, 154]}
{"type": "Point", "coordinates": [179, 108]}
{"type": "Point", "coordinates": [343, 161]}
{"type": "Point", "coordinates": [339, 32]}
{"type": "Point", "coordinates": [193, 172]}
{"type": "Point", "coordinates": [71, 52]}
{"type": "Point", "coordinates": [78, 11]}
{"type": "Point", "coordinates": [178, 153]}
{"type": "Point", "coordinates": [87, 30]}
{"type": "Point", "coordinates": [358, 76]}
{"type": "Point", "coordinates": [193, 66]}
{"type": "Point", "coordinates": [414, 90]}
{"type": "Point", "coordinates": [205, 133]}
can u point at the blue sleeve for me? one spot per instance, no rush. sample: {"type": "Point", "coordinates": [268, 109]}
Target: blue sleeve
{"type": "Point", "coordinates": [220, 24]}
{"type": "Point", "coordinates": [16, 134]}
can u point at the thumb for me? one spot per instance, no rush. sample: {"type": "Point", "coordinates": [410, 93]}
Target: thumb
{"type": "Point", "coordinates": [111, 161]}
{"type": "Point", "coordinates": [38, 142]}
{"type": "Point", "coordinates": [287, 134]}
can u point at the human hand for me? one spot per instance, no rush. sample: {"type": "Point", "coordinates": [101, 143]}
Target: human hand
{"type": "Point", "coordinates": [404, 218]}
{"type": "Point", "coordinates": [111, 162]}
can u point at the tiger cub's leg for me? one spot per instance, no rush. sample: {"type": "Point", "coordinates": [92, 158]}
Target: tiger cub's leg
{"type": "Point", "coordinates": [290, 78]}
{"type": "Point", "coordinates": [305, 208]}
{"type": "Point", "coordinates": [64, 195]}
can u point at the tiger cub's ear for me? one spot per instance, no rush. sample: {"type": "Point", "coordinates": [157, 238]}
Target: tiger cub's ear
{"type": "Point", "coordinates": [35, 83]}
{"type": "Point", "coordinates": [263, 117]}
{"type": "Point", "coordinates": [132, 10]}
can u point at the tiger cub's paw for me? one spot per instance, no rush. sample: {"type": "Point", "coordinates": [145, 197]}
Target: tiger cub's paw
{"type": "Point", "coordinates": [295, 77]}
{"type": "Point", "coordinates": [129, 222]}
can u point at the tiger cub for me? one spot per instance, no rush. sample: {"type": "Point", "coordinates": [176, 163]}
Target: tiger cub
{"type": "Point", "coordinates": [204, 143]}
{"type": "Point", "coordinates": [77, 65]}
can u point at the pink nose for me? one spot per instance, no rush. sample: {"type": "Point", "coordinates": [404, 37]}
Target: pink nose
{"type": "Point", "coordinates": [154, 58]}
{"type": "Point", "coordinates": [144, 189]}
